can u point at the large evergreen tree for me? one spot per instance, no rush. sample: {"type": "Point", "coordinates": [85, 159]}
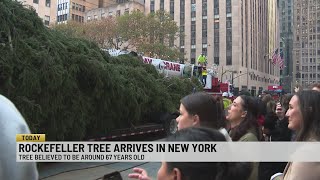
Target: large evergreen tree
{"type": "Point", "coordinates": [68, 88]}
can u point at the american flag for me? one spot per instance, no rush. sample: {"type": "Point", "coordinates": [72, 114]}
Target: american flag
{"type": "Point", "coordinates": [275, 56]}
{"type": "Point", "coordinates": [281, 60]}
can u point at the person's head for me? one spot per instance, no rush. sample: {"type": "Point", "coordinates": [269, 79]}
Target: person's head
{"type": "Point", "coordinates": [263, 93]}
{"type": "Point", "coordinates": [242, 115]}
{"type": "Point", "coordinates": [200, 109]}
{"type": "Point", "coordinates": [271, 106]}
{"type": "Point", "coordinates": [316, 87]}
{"type": "Point", "coordinates": [267, 98]}
{"type": "Point", "coordinates": [280, 111]}
{"type": "Point", "coordinates": [225, 94]}
{"type": "Point", "coordinates": [304, 115]}
{"type": "Point", "coordinates": [269, 123]}
{"type": "Point", "coordinates": [202, 170]}
{"type": "Point", "coordinates": [285, 99]}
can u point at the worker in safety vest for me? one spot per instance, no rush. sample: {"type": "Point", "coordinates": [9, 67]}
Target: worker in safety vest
{"type": "Point", "coordinates": [202, 60]}
{"type": "Point", "coordinates": [204, 76]}
{"type": "Point", "coordinates": [226, 101]}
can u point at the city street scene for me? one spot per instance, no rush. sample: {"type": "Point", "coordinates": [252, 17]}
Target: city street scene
{"type": "Point", "coordinates": [157, 70]}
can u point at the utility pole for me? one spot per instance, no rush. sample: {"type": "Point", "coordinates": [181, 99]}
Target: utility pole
{"type": "Point", "coordinates": [232, 78]}
{"type": "Point", "coordinates": [247, 79]}
{"type": "Point", "coordinates": [222, 73]}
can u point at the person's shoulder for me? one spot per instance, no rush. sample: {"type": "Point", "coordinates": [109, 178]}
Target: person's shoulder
{"type": "Point", "coordinates": [6, 102]}
{"type": "Point", "coordinates": [225, 133]}
{"type": "Point", "coordinates": [11, 118]}
{"type": "Point", "coordinates": [305, 170]}
{"type": "Point", "coordinates": [249, 136]}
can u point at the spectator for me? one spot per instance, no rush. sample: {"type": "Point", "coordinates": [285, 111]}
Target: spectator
{"type": "Point", "coordinates": [304, 115]}
{"type": "Point", "coordinates": [279, 131]}
{"type": "Point", "coordinates": [271, 106]}
{"type": "Point", "coordinates": [261, 111]}
{"type": "Point", "coordinates": [242, 115]}
{"type": "Point", "coordinates": [197, 170]}
{"type": "Point", "coordinates": [202, 109]}
{"type": "Point", "coordinates": [269, 126]}
{"type": "Point", "coordinates": [13, 123]}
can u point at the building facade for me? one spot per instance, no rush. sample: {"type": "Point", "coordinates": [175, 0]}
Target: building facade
{"type": "Point", "coordinates": [286, 43]}
{"type": "Point", "coordinates": [232, 34]}
{"type": "Point", "coordinates": [306, 42]}
{"type": "Point", "coordinates": [74, 9]}
{"type": "Point", "coordinates": [46, 10]}
{"type": "Point", "coordinates": [116, 9]}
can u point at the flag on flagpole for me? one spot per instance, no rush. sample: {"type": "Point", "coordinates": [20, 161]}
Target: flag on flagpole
{"type": "Point", "coordinates": [275, 56]}
{"type": "Point", "coordinates": [279, 56]}
{"type": "Point", "coordinates": [281, 60]}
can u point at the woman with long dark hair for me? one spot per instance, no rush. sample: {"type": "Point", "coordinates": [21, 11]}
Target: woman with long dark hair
{"type": "Point", "coordinates": [197, 170]}
{"type": "Point", "coordinates": [304, 118]}
{"type": "Point", "coordinates": [242, 115]}
{"type": "Point", "coordinates": [202, 110]}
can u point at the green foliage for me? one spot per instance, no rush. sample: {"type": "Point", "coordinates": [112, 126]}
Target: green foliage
{"type": "Point", "coordinates": [68, 88]}
{"type": "Point", "coordinates": [152, 34]}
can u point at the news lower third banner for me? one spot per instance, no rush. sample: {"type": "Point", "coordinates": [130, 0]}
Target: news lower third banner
{"type": "Point", "coordinates": [77, 151]}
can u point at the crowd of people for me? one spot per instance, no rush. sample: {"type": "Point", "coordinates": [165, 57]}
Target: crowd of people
{"type": "Point", "coordinates": [202, 117]}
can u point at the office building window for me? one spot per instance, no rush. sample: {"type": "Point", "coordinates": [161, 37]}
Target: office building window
{"type": "Point", "coordinates": [36, 1]}
{"type": "Point", "coordinates": [162, 5]}
{"type": "Point", "coordinates": [48, 3]}
{"type": "Point", "coordinates": [204, 24]}
{"type": "Point", "coordinates": [182, 21]}
{"type": "Point", "coordinates": [228, 33]}
{"type": "Point", "coordinates": [152, 6]}
{"type": "Point", "coordinates": [216, 60]}
{"type": "Point", "coordinates": [204, 7]}
{"type": "Point", "coordinates": [181, 41]}
{"type": "Point", "coordinates": [181, 55]}
{"type": "Point", "coordinates": [193, 32]}
{"type": "Point", "coordinates": [229, 60]}
{"type": "Point", "coordinates": [46, 20]}
{"type": "Point", "coordinates": [216, 25]}
{"type": "Point", "coordinates": [193, 56]}
{"type": "Point", "coordinates": [122, 1]}
{"type": "Point", "coordinates": [172, 8]}
{"type": "Point", "coordinates": [204, 51]}
{"type": "Point", "coordinates": [216, 7]}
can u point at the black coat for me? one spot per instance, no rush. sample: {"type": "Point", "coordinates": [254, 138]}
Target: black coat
{"type": "Point", "coordinates": [280, 133]}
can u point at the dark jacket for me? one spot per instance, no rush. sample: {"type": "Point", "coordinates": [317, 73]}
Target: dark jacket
{"type": "Point", "coordinates": [281, 132]}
